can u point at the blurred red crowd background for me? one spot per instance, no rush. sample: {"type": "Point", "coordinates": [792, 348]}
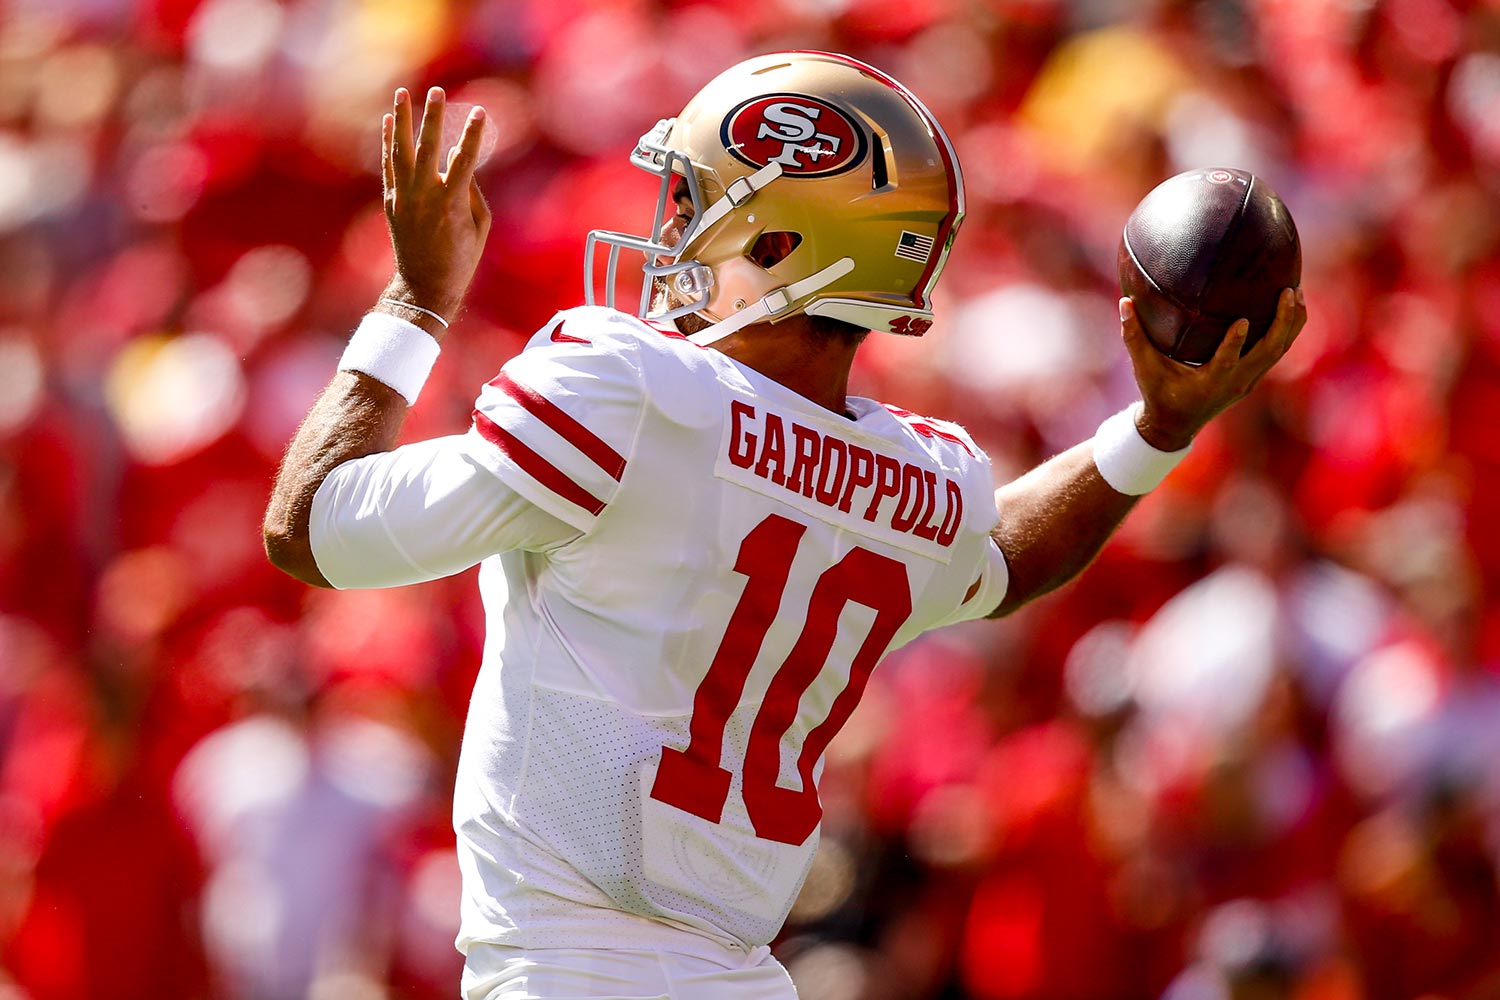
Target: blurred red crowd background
{"type": "Point", "coordinates": [1253, 754]}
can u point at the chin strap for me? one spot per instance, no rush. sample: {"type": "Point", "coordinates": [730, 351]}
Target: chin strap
{"type": "Point", "coordinates": [775, 302]}
{"type": "Point", "coordinates": [735, 195]}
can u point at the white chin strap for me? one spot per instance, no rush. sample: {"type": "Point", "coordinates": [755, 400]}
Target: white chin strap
{"type": "Point", "coordinates": [734, 196]}
{"type": "Point", "coordinates": [775, 302]}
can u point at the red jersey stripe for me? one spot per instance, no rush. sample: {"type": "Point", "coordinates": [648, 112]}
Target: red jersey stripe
{"type": "Point", "coordinates": [919, 424]}
{"type": "Point", "coordinates": [535, 465]}
{"type": "Point", "coordinates": [555, 417]}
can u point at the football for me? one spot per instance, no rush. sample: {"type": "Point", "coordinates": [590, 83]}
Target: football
{"type": "Point", "coordinates": [1204, 249]}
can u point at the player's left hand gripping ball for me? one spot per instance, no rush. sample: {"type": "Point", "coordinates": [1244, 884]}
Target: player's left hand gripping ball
{"type": "Point", "coordinates": [437, 216]}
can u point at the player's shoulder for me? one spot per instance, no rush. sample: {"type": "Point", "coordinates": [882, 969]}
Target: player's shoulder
{"type": "Point", "coordinates": [950, 445]}
{"type": "Point", "coordinates": [603, 346]}
{"type": "Point", "coordinates": [948, 442]}
{"type": "Point", "coordinates": [600, 332]}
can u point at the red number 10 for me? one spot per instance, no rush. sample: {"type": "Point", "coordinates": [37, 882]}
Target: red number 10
{"type": "Point", "coordinates": [692, 779]}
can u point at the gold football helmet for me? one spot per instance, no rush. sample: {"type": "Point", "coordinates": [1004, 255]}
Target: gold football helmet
{"type": "Point", "coordinates": [819, 185]}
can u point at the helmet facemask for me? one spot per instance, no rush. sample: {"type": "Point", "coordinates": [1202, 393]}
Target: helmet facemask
{"type": "Point", "coordinates": [689, 281]}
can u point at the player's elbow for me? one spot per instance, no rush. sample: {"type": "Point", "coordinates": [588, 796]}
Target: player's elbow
{"type": "Point", "coordinates": [1036, 569]}
{"type": "Point", "coordinates": [1018, 593]}
{"type": "Point", "coordinates": [291, 552]}
{"type": "Point", "coordinates": [1006, 606]}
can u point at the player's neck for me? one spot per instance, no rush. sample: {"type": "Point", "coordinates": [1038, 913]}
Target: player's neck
{"type": "Point", "coordinates": [788, 352]}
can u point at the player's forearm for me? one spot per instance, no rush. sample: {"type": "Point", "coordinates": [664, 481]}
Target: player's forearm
{"type": "Point", "coordinates": [353, 417]}
{"type": "Point", "coordinates": [1053, 522]}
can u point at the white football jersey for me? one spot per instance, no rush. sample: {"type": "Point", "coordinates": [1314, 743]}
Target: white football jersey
{"type": "Point", "coordinates": [648, 727]}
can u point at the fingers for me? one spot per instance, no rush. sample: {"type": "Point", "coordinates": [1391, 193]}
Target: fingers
{"type": "Point", "coordinates": [387, 167]}
{"type": "Point", "coordinates": [1144, 356]}
{"type": "Point", "coordinates": [479, 208]}
{"type": "Point", "coordinates": [1290, 315]}
{"type": "Point", "coordinates": [401, 147]}
{"type": "Point", "coordinates": [1229, 349]}
{"type": "Point", "coordinates": [430, 138]}
{"type": "Point", "coordinates": [1130, 327]}
{"type": "Point", "coordinates": [1299, 319]}
{"type": "Point", "coordinates": [1137, 345]}
{"type": "Point", "coordinates": [465, 155]}
{"type": "Point", "coordinates": [1282, 325]}
{"type": "Point", "coordinates": [404, 160]}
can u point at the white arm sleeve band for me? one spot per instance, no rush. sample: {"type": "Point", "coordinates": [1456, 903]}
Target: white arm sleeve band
{"type": "Point", "coordinates": [989, 588]}
{"type": "Point", "coordinates": [423, 511]}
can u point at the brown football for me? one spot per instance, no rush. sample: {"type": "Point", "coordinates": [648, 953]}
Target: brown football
{"type": "Point", "coordinates": [1204, 249]}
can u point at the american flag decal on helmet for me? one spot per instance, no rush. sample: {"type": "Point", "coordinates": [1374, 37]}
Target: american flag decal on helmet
{"type": "Point", "coordinates": [913, 246]}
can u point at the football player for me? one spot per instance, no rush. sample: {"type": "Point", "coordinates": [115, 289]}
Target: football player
{"type": "Point", "coordinates": [695, 545]}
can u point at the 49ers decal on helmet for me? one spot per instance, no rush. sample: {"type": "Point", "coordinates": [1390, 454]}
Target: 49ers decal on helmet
{"type": "Point", "coordinates": [808, 137]}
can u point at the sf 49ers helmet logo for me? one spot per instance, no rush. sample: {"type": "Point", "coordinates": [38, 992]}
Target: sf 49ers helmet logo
{"type": "Point", "coordinates": [808, 137]}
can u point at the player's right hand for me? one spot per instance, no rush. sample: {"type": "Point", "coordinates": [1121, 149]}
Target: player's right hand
{"type": "Point", "coordinates": [437, 216]}
{"type": "Point", "coordinates": [1179, 399]}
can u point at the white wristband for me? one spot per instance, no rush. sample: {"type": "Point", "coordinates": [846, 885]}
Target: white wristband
{"type": "Point", "coordinates": [390, 350]}
{"type": "Point", "coordinates": [1126, 461]}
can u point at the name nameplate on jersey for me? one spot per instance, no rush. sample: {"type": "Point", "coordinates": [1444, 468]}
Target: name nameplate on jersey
{"type": "Point", "coordinates": [841, 475]}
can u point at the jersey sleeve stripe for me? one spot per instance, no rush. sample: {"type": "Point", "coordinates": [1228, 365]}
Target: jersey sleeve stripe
{"type": "Point", "coordinates": [537, 467]}
{"type": "Point", "coordinates": [927, 430]}
{"type": "Point", "coordinates": [586, 441]}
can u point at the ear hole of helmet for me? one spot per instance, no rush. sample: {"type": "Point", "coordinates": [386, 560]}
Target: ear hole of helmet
{"type": "Point", "coordinates": [773, 248]}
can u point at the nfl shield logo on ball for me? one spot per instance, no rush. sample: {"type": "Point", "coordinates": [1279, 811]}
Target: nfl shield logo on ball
{"type": "Point", "coordinates": [808, 137]}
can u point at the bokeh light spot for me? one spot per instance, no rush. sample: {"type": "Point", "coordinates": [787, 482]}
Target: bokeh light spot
{"type": "Point", "coordinates": [171, 396]}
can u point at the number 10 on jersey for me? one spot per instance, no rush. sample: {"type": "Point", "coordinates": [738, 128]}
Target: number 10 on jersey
{"type": "Point", "coordinates": [693, 779]}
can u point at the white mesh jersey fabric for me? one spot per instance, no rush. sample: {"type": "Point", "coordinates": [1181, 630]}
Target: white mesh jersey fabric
{"type": "Point", "coordinates": [740, 508]}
